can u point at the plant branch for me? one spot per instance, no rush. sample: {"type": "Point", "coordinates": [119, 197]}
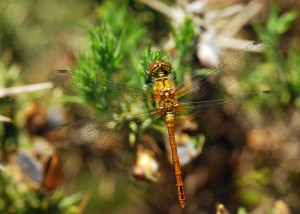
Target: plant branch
{"type": "Point", "coordinates": [25, 89]}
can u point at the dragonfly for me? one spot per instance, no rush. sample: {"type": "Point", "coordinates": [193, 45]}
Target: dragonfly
{"type": "Point", "coordinates": [170, 103]}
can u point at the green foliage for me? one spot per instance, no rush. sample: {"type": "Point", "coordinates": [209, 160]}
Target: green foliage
{"type": "Point", "coordinates": [276, 25]}
{"type": "Point", "coordinates": [124, 26]}
{"type": "Point", "coordinates": [114, 55]}
{"type": "Point", "coordinates": [284, 70]}
{"type": "Point", "coordinates": [241, 210]}
{"type": "Point", "coordinates": [279, 25]}
{"type": "Point", "coordinates": [185, 44]}
{"type": "Point", "coordinates": [129, 32]}
{"type": "Point", "coordinates": [8, 131]}
{"type": "Point", "coordinates": [293, 66]}
{"type": "Point", "coordinates": [97, 66]}
{"type": "Point", "coordinates": [184, 39]}
{"type": "Point", "coordinates": [253, 182]}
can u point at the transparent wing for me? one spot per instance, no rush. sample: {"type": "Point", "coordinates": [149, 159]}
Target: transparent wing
{"type": "Point", "coordinates": [230, 70]}
{"type": "Point", "coordinates": [125, 105]}
{"type": "Point", "coordinates": [104, 132]}
{"type": "Point", "coordinates": [245, 107]}
{"type": "Point", "coordinates": [109, 95]}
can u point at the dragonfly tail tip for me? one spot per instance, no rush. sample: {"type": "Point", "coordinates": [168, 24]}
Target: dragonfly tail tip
{"type": "Point", "coordinates": [182, 204]}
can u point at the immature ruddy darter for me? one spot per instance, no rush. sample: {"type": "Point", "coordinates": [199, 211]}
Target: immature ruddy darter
{"type": "Point", "coordinates": [168, 103]}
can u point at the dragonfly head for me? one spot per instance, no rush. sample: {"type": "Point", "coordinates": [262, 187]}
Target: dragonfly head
{"type": "Point", "coordinates": [159, 69]}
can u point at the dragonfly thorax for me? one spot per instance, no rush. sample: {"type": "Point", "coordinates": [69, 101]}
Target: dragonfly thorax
{"type": "Point", "coordinates": [165, 95]}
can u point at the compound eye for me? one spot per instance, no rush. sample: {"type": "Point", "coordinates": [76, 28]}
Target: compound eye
{"type": "Point", "coordinates": [153, 66]}
{"type": "Point", "coordinates": [166, 64]}
{"type": "Point", "coordinates": [166, 67]}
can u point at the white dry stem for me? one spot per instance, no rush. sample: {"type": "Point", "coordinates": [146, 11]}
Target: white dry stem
{"type": "Point", "coordinates": [172, 13]}
{"type": "Point", "coordinates": [221, 26]}
{"type": "Point", "coordinates": [240, 20]}
{"type": "Point", "coordinates": [25, 89]}
{"type": "Point", "coordinates": [5, 119]}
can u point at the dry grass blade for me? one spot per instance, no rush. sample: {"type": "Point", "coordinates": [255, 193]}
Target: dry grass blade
{"type": "Point", "coordinates": [24, 89]}
{"type": "Point", "coordinates": [6, 119]}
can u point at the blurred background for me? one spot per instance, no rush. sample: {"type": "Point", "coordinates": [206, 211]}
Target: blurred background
{"type": "Point", "coordinates": [230, 168]}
